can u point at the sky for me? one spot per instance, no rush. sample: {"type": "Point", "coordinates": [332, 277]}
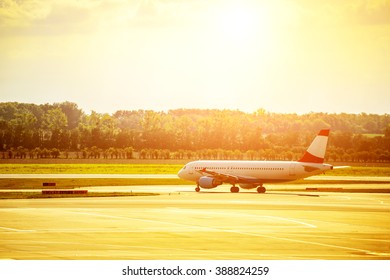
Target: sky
{"type": "Point", "coordinates": [286, 56]}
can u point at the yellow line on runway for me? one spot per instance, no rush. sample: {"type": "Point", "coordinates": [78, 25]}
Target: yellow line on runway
{"type": "Point", "coordinates": [16, 230]}
{"type": "Point", "coordinates": [292, 220]}
{"type": "Point", "coordinates": [310, 242]}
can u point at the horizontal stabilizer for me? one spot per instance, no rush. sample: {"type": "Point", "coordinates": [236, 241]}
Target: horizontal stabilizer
{"type": "Point", "coordinates": [340, 167]}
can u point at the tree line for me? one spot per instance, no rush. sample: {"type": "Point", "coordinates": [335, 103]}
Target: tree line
{"type": "Point", "coordinates": [64, 130]}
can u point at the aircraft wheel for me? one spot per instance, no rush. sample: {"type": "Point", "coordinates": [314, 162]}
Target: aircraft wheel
{"type": "Point", "coordinates": [234, 189]}
{"type": "Point", "coordinates": [197, 189]}
{"type": "Point", "coordinates": [261, 189]}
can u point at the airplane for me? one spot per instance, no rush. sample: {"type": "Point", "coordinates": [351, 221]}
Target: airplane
{"type": "Point", "coordinates": [209, 174]}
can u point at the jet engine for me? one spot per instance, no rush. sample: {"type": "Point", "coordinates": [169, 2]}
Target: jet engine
{"type": "Point", "coordinates": [208, 182]}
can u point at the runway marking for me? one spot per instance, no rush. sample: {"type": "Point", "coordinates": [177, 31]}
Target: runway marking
{"type": "Point", "coordinates": [291, 220]}
{"type": "Point", "coordinates": [177, 210]}
{"type": "Point", "coordinates": [370, 239]}
{"type": "Point", "coordinates": [311, 242]}
{"type": "Point", "coordinates": [247, 233]}
{"type": "Point", "coordinates": [180, 251]}
{"type": "Point", "coordinates": [297, 240]}
{"type": "Point", "coordinates": [138, 219]}
{"type": "Point", "coordinates": [17, 230]}
{"type": "Point", "coordinates": [198, 252]}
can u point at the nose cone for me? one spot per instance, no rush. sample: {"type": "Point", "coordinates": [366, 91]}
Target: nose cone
{"type": "Point", "coordinates": [185, 173]}
{"type": "Point", "coordinates": [181, 173]}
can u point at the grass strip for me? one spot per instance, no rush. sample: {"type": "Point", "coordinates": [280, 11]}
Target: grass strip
{"type": "Point", "coordinates": [9, 168]}
{"type": "Point", "coordinates": [339, 190]}
{"type": "Point", "coordinates": [84, 182]}
{"type": "Point", "coordinates": [135, 168]}
{"type": "Point", "coordinates": [35, 195]}
{"type": "Point", "coordinates": [336, 181]}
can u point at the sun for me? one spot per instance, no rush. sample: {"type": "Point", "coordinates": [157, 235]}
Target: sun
{"type": "Point", "coordinates": [241, 20]}
{"type": "Point", "coordinates": [236, 22]}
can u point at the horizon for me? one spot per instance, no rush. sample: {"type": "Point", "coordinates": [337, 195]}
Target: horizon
{"type": "Point", "coordinates": [114, 110]}
{"type": "Point", "coordinates": [284, 56]}
{"type": "Point", "coordinates": [194, 108]}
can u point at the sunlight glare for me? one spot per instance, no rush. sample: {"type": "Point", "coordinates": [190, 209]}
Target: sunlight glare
{"type": "Point", "coordinates": [241, 21]}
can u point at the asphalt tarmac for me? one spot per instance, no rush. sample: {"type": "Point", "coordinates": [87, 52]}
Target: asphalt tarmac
{"type": "Point", "coordinates": [181, 224]}
{"type": "Point", "coordinates": [173, 176]}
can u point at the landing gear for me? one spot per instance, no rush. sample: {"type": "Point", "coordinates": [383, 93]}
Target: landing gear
{"type": "Point", "coordinates": [197, 189]}
{"type": "Point", "coordinates": [261, 189]}
{"type": "Point", "coordinates": [234, 189]}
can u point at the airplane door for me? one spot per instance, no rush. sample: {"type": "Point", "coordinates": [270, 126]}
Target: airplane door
{"type": "Point", "coordinates": [292, 169]}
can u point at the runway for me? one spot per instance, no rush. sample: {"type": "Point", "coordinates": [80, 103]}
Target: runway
{"type": "Point", "coordinates": [182, 224]}
{"type": "Point", "coordinates": [385, 179]}
{"type": "Point", "coordinates": [88, 176]}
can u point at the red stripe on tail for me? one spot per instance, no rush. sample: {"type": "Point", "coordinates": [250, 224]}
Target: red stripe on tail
{"type": "Point", "coordinates": [324, 132]}
{"type": "Point", "coordinates": [308, 157]}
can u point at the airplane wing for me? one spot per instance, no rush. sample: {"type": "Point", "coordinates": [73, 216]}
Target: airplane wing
{"type": "Point", "coordinates": [228, 178]}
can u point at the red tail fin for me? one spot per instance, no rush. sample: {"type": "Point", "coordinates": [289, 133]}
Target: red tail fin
{"type": "Point", "coordinates": [316, 151]}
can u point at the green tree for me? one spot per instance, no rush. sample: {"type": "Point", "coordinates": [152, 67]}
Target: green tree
{"type": "Point", "coordinates": [54, 124]}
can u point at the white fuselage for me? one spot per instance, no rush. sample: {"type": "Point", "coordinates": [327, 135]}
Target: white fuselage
{"type": "Point", "coordinates": [261, 171]}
